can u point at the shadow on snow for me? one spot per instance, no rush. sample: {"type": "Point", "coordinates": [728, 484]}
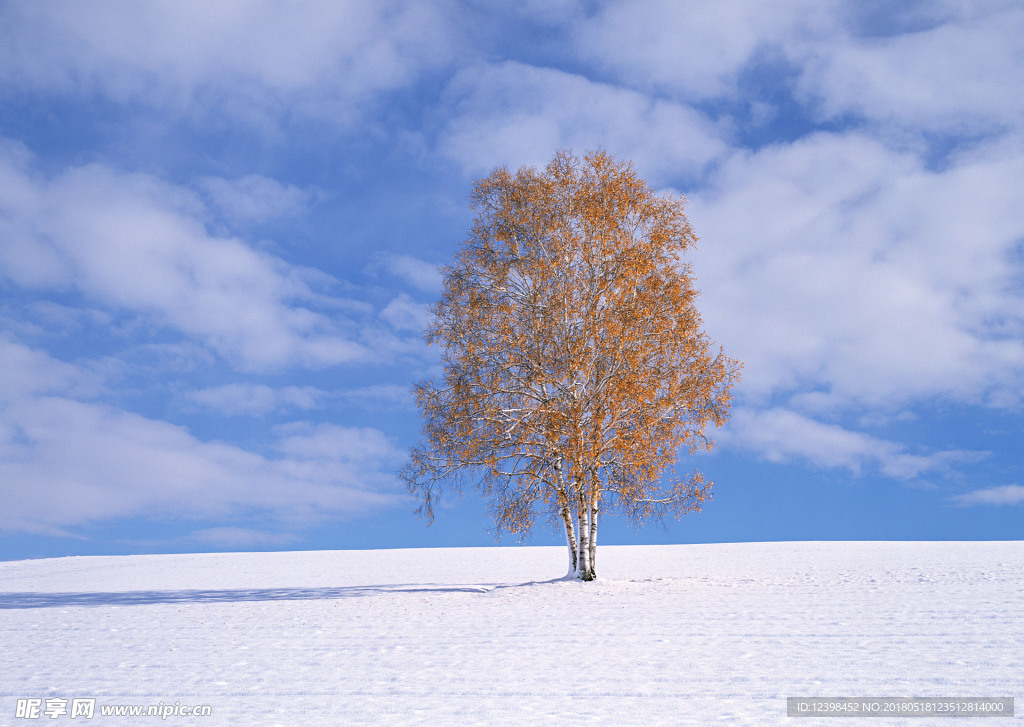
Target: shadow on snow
{"type": "Point", "coordinates": [37, 599]}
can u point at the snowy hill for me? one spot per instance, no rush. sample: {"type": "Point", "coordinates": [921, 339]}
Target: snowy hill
{"type": "Point", "coordinates": [689, 634]}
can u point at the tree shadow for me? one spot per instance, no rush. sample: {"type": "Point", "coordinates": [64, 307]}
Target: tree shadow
{"type": "Point", "coordinates": [38, 599]}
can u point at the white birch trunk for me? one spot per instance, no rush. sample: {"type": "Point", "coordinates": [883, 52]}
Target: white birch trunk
{"type": "Point", "coordinates": [583, 568]}
{"type": "Point", "coordinates": [570, 540]}
{"type": "Point", "coordinates": [593, 538]}
{"type": "Point", "coordinates": [570, 532]}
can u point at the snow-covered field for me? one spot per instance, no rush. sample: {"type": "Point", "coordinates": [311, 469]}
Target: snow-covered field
{"type": "Point", "coordinates": [688, 634]}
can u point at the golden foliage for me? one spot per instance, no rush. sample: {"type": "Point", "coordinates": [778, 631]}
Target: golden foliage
{"type": "Point", "coordinates": [575, 366]}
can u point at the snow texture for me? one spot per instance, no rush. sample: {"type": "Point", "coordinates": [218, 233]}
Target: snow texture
{"type": "Point", "coordinates": [670, 635]}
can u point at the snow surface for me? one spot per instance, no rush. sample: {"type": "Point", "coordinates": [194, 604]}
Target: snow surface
{"type": "Point", "coordinates": [687, 634]}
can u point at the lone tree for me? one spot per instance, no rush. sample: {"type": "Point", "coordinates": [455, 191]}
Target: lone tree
{"type": "Point", "coordinates": [575, 367]}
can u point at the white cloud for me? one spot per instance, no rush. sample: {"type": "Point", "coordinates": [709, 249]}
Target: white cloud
{"type": "Point", "coordinates": [694, 50]}
{"type": "Point", "coordinates": [68, 463]}
{"type": "Point", "coordinates": [136, 243]}
{"type": "Point", "coordinates": [839, 266]}
{"type": "Point", "coordinates": [65, 462]}
{"type": "Point", "coordinates": [405, 314]}
{"type": "Point", "coordinates": [28, 372]}
{"type": "Point", "coordinates": [780, 436]}
{"type": "Point", "coordinates": [260, 400]}
{"type": "Point", "coordinates": [254, 198]}
{"type": "Point", "coordinates": [514, 114]}
{"type": "Point", "coordinates": [954, 76]}
{"type": "Point", "coordinates": [257, 399]}
{"type": "Point", "coordinates": [378, 396]}
{"type": "Point", "coordinates": [843, 269]}
{"type": "Point", "coordinates": [335, 443]}
{"type": "Point", "coordinates": [233, 537]}
{"type": "Point", "coordinates": [1004, 495]}
{"type": "Point", "coordinates": [938, 66]}
{"type": "Point", "coordinates": [848, 274]}
{"type": "Point", "coordinates": [247, 58]}
{"type": "Point", "coordinates": [425, 276]}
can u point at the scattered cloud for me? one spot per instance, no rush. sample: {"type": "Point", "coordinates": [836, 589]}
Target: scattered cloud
{"type": "Point", "coordinates": [232, 537]}
{"type": "Point", "coordinates": [260, 400]}
{"type": "Point", "coordinates": [949, 76]}
{"type": "Point", "coordinates": [694, 50]}
{"type": "Point", "coordinates": [337, 444]}
{"type": "Point", "coordinates": [515, 114]}
{"type": "Point", "coordinates": [254, 198]}
{"type": "Point", "coordinates": [379, 396]}
{"type": "Point", "coordinates": [257, 399]}
{"type": "Point", "coordinates": [936, 66]}
{"type": "Point", "coordinates": [136, 243]}
{"type": "Point", "coordinates": [837, 265]}
{"type": "Point", "coordinates": [782, 436]}
{"type": "Point", "coordinates": [405, 314]}
{"type": "Point", "coordinates": [28, 372]}
{"type": "Point", "coordinates": [66, 462]}
{"type": "Point", "coordinates": [1004, 495]}
{"type": "Point", "coordinates": [246, 59]}
{"type": "Point", "coordinates": [69, 463]}
{"type": "Point", "coordinates": [421, 274]}
{"type": "Point", "coordinates": [853, 171]}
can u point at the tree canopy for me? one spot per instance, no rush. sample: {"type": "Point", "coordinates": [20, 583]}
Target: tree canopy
{"type": "Point", "coordinates": [575, 367]}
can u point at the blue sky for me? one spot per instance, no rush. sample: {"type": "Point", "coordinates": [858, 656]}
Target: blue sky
{"type": "Point", "coordinates": [220, 226]}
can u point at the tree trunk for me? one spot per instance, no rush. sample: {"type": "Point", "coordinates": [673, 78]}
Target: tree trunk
{"type": "Point", "coordinates": [584, 570]}
{"type": "Point", "coordinates": [570, 538]}
{"type": "Point", "coordinates": [593, 539]}
{"type": "Point", "coordinates": [570, 532]}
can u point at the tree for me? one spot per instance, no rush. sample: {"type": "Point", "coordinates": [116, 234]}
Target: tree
{"type": "Point", "coordinates": [574, 364]}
